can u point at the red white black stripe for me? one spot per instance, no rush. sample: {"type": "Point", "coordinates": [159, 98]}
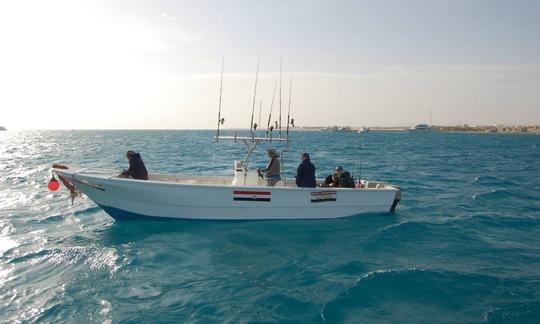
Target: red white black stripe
{"type": "Point", "coordinates": [250, 195]}
{"type": "Point", "coordinates": [322, 196]}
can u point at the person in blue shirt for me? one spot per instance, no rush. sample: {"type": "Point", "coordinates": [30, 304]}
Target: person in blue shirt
{"type": "Point", "coordinates": [305, 175]}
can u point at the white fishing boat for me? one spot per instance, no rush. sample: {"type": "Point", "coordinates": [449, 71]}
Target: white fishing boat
{"type": "Point", "coordinates": [241, 196]}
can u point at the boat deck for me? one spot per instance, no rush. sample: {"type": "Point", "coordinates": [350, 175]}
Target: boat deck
{"type": "Point", "coordinates": [237, 180]}
{"type": "Point", "coordinates": [213, 180]}
{"type": "Point", "coordinates": [228, 181]}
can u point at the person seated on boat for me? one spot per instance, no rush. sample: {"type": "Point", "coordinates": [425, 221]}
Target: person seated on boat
{"type": "Point", "coordinates": [273, 168]}
{"type": "Point", "coordinates": [344, 179]}
{"type": "Point", "coordinates": [331, 181]}
{"type": "Point", "coordinates": [136, 170]}
{"type": "Point", "coordinates": [305, 175]}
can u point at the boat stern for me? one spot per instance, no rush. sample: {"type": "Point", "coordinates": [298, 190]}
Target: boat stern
{"type": "Point", "coordinates": [397, 198]}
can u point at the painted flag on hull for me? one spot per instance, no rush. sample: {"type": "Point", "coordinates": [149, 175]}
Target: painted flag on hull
{"type": "Point", "coordinates": [250, 195]}
{"type": "Point", "coordinates": [321, 196]}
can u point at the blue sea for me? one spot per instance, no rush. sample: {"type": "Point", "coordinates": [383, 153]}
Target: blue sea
{"type": "Point", "coordinates": [462, 247]}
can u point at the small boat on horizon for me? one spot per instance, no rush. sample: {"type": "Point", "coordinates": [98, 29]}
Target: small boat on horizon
{"type": "Point", "coordinates": [342, 129]}
{"type": "Point", "coordinates": [422, 128]}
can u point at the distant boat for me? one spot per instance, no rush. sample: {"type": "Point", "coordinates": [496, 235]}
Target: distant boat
{"type": "Point", "coordinates": [2, 128]}
{"type": "Point", "coordinates": [344, 129]}
{"type": "Point", "coordinates": [422, 128]}
{"type": "Point", "coordinates": [425, 127]}
{"type": "Point", "coordinates": [337, 129]}
{"type": "Point", "coordinates": [330, 129]}
{"type": "Point", "coordinates": [363, 130]}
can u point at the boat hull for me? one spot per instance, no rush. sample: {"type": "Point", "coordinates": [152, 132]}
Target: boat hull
{"type": "Point", "coordinates": [126, 199]}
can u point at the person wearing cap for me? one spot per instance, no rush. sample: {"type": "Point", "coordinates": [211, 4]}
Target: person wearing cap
{"type": "Point", "coordinates": [137, 169]}
{"type": "Point", "coordinates": [273, 168]}
{"type": "Point", "coordinates": [342, 178]}
{"type": "Point", "coordinates": [305, 174]}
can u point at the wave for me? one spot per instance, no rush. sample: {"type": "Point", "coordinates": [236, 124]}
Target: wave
{"type": "Point", "coordinates": [517, 312]}
{"type": "Point", "coordinates": [52, 219]}
{"type": "Point", "coordinates": [95, 258]}
{"type": "Point", "coordinates": [88, 210]}
{"type": "Point", "coordinates": [414, 295]}
{"type": "Point", "coordinates": [493, 195]}
{"type": "Point", "coordinates": [397, 236]}
{"type": "Point", "coordinates": [30, 256]}
{"type": "Point", "coordinates": [494, 181]}
{"type": "Point", "coordinates": [509, 198]}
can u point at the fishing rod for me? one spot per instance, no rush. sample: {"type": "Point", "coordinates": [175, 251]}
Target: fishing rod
{"type": "Point", "coordinates": [254, 96]}
{"type": "Point", "coordinates": [220, 121]}
{"type": "Point", "coordinates": [279, 97]}
{"type": "Point", "coordinates": [358, 148]}
{"type": "Point", "coordinates": [271, 107]}
{"type": "Point", "coordinates": [260, 111]}
{"type": "Point", "coordinates": [289, 110]}
{"type": "Point", "coordinates": [287, 146]}
{"type": "Point", "coordinates": [354, 158]}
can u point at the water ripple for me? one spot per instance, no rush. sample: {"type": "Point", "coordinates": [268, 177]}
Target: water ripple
{"type": "Point", "coordinates": [463, 245]}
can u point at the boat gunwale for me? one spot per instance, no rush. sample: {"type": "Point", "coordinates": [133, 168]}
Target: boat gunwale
{"type": "Point", "coordinates": [73, 174]}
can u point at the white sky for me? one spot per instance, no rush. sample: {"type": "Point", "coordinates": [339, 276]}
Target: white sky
{"type": "Point", "coordinates": [156, 64]}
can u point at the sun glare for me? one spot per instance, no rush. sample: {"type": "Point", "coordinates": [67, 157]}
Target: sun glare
{"type": "Point", "coordinates": [65, 59]}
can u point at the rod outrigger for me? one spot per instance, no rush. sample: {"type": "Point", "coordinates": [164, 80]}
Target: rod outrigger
{"type": "Point", "coordinates": [252, 142]}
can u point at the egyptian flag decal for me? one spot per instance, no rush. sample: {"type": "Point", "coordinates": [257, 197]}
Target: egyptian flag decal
{"type": "Point", "coordinates": [321, 196]}
{"type": "Point", "coordinates": [248, 195]}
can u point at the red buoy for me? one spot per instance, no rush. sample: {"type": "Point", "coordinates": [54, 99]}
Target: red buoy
{"type": "Point", "coordinates": [53, 184]}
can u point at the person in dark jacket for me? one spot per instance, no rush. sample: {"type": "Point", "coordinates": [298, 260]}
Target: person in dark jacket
{"type": "Point", "coordinates": [136, 170]}
{"type": "Point", "coordinates": [344, 178]}
{"type": "Point", "coordinates": [331, 181]}
{"type": "Point", "coordinates": [305, 175]}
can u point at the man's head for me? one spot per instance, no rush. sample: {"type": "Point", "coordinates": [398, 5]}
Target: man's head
{"type": "Point", "coordinates": [130, 154]}
{"type": "Point", "coordinates": [305, 156]}
{"type": "Point", "coordinates": [272, 153]}
{"type": "Point", "coordinates": [339, 169]}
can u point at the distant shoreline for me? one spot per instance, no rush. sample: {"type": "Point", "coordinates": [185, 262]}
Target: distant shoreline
{"type": "Point", "coordinates": [453, 129]}
{"type": "Point", "coordinates": [515, 129]}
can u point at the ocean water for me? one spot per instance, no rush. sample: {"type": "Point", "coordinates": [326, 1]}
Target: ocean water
{"type": "Point", "coordinates": [462, 247]}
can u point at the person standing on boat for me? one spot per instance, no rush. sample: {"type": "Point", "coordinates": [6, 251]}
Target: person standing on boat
{"type": "Point", "coordinates": [305, 175]}
{"type": "Point", "coordinates": [136, 170]}
{"type": "Point", "coordinates": [273, 169]}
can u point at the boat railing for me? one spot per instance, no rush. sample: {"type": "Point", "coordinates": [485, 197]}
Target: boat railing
{"type": "Point", "coordinates": [191, 179]}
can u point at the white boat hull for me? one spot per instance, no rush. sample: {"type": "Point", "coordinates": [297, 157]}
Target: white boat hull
{"type": "Point", "coordinates": [134, 199]}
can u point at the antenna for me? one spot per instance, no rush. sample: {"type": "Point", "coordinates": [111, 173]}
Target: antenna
{"type": "Point", "coordinates": [254, 95]}
{"type": "Point", "coordinates": [289, 110]}
{"type": "Point", "coordinates": [279, 126]}
{"type": "Point", "coordinates": [220, 121]}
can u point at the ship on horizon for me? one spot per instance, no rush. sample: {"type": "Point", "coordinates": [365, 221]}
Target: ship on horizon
{"type": "Point", "coordinates": [422, 128]}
